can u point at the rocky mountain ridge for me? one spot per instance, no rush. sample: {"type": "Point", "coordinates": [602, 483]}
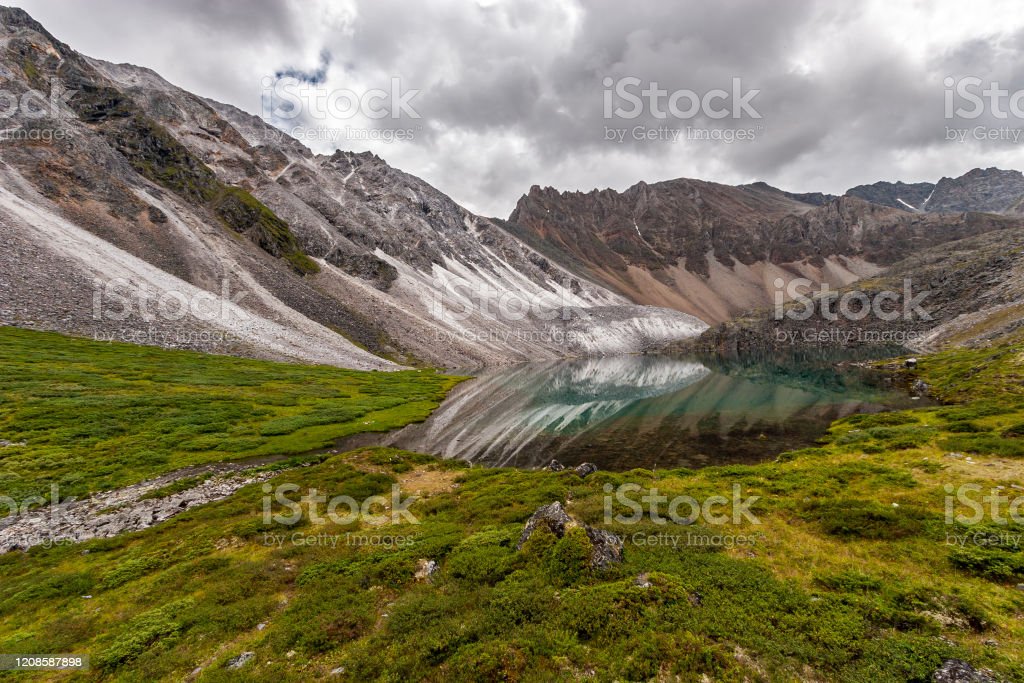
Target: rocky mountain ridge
{"type": "Point", "coordinates": [715, 250]}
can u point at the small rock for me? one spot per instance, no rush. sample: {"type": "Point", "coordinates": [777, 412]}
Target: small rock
{"type": "Point", "coordinates": [554, 466]}
{"type": "Point", "coordinates": [289, 654]}
{"type": "Point", "coordinates": [241, 660]}
{"type": "Point", "coordinates": [990, 643]}
{"type": "Point", "coordinates": [585, 469]}
{"type": "Point", "coordinates": [336, 672]}
{"type": "Point", "coordinates": [260, 627]}
{"type": "Point", "coordinates": [959, 671]}
{"type": "Point", "coordinates": [607, 547]}
{"type": "Point", "coordinates": [552, 516]}
{"type": "Point", "coordinates": [642, 581]}
{"type": "Point", "coordinates": [920, 387]}
{"type": "Point", "coordinates": [425, 569]}
{"type": "Point", "coordinates": [910, 363]}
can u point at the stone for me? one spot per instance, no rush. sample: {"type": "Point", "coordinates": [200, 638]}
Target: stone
{"type": "Point", "coordinates": [607, 548]}
{"type": "Point", "coordinates": [553, 516]}
{"type": "Point", "coordinates": [241, 660]}
{"type": "Point", "coordinates": [585, 469]}
{"type": "Point", "coordinates": [425, 569]}
{"type": "Point", "coordinates": [642, 580]}
{"type": "Point", "coordinates": [920, 387]}
{"type": "Point", "coordinates": [554, 466]}
{"type": "Point", "coordinates": [959, 671]}
{"type": "Point", "coordinates": [910, 363]}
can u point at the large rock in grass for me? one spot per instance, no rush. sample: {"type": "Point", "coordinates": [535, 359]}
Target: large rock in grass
{"type": "Point", "coordinates": [606, 546]}
{"type": "Point", "coordinates": [553, 516]}
{"type": "Point", "coordinates": [958, 671]}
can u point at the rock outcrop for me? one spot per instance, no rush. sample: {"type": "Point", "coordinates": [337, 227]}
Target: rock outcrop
{"type": "Point", "coordinates": [606, 547]}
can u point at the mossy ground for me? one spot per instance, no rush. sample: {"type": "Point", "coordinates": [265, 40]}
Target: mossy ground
{"type": "Point", "coordinates": [850, 576]}
{"type": "Point", "coordinates": [96, 416]}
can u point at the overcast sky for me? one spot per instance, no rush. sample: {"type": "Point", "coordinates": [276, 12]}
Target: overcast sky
{"type": "Point", "coordinates": [512, 94]}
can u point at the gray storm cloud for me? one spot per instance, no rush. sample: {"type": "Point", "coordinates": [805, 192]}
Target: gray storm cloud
{"type": "Point", "coordinates": [512, 94]}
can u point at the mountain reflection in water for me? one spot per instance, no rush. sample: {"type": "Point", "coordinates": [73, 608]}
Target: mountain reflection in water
{"type": "Point", "coordinates": [645, 411]}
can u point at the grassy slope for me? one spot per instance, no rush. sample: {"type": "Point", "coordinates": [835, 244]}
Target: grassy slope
{"type": "Point", "coordinates": [840, 585]}
{"type": "Point", "coordinates": [97, 416]}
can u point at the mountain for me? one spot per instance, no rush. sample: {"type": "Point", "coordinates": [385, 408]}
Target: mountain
{"type": "Point", "coordinates": [132, 209]}
{"type": "Point", "coordinates": [991, 190]}
{"type": "Point", "coordinates": [898, 195]}
{"type": "Point", "coordinates": [971, 291]}
{"type": "Point", "coordinates": [715, 250]}
{"type": "Point", "coordinates": [988, 189]}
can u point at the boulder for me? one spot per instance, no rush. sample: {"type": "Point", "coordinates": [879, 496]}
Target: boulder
{"type": "Point", "coordinates": [606, 547]}
{"type": "Point", "coordinates": [553, 516]}
{"type": "Point", "coordinates": [959, 671]}
{"type": "Point", "coordinates": [585, 468]}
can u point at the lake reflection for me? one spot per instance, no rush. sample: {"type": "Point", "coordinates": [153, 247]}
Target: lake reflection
{"type": "Point", "coordinates": [646, 411]}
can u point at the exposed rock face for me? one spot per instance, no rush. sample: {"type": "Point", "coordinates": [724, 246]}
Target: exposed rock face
{"type": "Point", "coordinates": [606, 546]}
{"type": "Point", "coordinates": [112, 513]}
{"type": "Point", "coordinates": [898, 195]}
{"type": "Point", "coordinates": [553, 516]}
{"type": "Point", "coordinates": [338, 257]}
{"type": "Point", "coordinates": [715, 251]}
{"type": "Point", "coordinates": [812, 198]}
{"type": "Point", "coordinates": [957, 671]}
{"type": "Point", "coordinates": [972, 289]}
{"type": "Point", "coordinates": [989, 189]}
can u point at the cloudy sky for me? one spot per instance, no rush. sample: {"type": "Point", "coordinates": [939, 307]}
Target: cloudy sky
{"type": "Point", "coordinates": [499, 96]}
